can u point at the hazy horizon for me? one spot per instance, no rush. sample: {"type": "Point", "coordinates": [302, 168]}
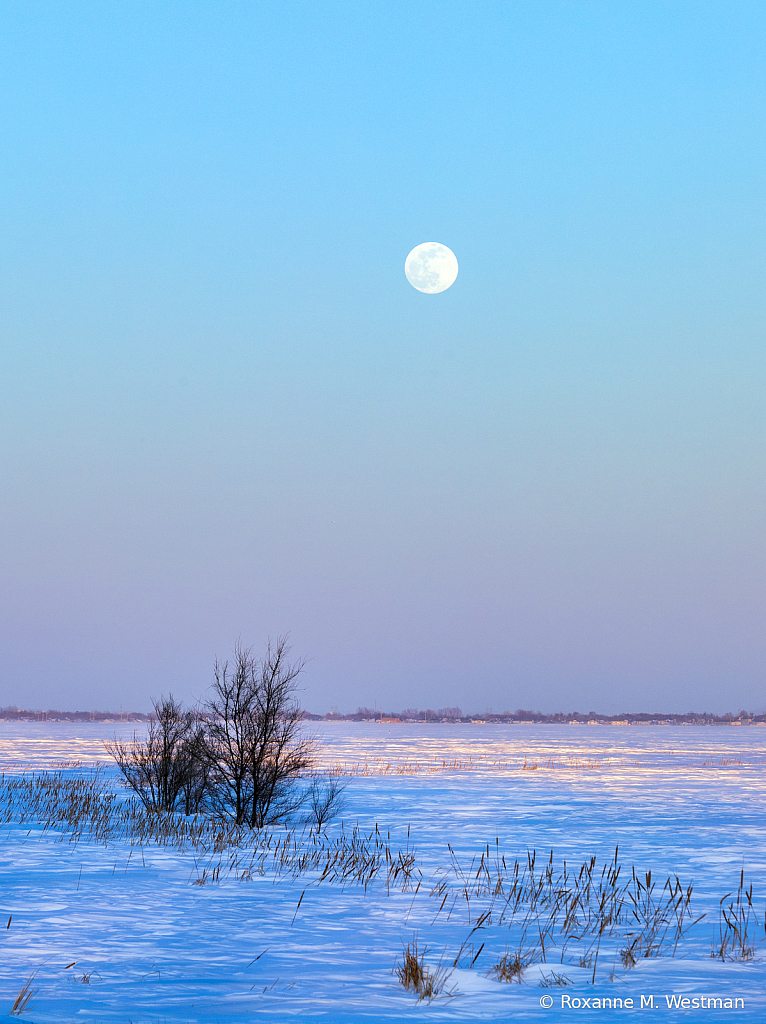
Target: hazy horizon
{"type": "Point", "coordinates": [408, 714]}
{"type": "Point", "coordinates": [226, 414]}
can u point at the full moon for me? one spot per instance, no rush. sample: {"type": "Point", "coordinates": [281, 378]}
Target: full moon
{"type": "Point", "coordinates": [431, 267]}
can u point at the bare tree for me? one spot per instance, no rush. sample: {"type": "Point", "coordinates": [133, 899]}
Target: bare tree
{"type": "Point", "coordinates": [325, 800]}
{"type": "Point", "coordinates": [194, 754]}
{"type": "Point", "coordinates": [161, 768]}
{"type": "Point", "coordinates": [256, 747]}
{"type": "Point", "coordinates": [244, 755]}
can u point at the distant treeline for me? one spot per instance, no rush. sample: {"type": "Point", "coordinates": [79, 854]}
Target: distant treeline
{"type": "Point", "coordinates": [528, 717]}
{"type": "Point", "coordinates": [455, 714]}
{"type": "Point", "coordinates": [26, 715]}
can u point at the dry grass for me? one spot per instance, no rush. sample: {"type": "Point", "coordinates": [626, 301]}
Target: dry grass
{"type": "Point", "coordinates": [737, 925]}
{"type": "Point", "coordinates": [415, 976]}
{"type": "Point", "coordinates": [371, 767]}
{"type": "Point", "coordinates": [24, 998]}
{"type": "Point", "coordinates": [551, 911]}
{"type": "Point", "coordinates": [628, 957]}
{"type": "Point", "coordinates": [510, 968]}
{"type": "Point", "coordinates": [554, 980]}
{"type": "Point", "coordinates": [380, 766]}
{"type": "Point", "coordinates": [568, 913]}
{"type": "Point", "coordinates": [85, 808]}
{"type": "Point", "coordinates": [374, 767]}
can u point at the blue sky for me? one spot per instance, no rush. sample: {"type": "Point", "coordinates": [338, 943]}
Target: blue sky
{"type": "Point", "coordinates": [227, 414]}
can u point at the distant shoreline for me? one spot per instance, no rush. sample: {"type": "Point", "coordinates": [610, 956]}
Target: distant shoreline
{"type": "Point", "coordinates": [549, 720]}
{"type": "Point", "coordinates": [10, 714]}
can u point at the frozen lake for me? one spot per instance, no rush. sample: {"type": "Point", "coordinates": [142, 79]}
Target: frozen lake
{"type": "Point", "coordinates": [154, 946]}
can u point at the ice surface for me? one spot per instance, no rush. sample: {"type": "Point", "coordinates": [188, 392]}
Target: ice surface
{"type": "Point", "coordinates": [150, 945]}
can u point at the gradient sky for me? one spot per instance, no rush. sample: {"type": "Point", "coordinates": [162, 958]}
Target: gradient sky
{"type": "Point", "coordinates": [225, 413]}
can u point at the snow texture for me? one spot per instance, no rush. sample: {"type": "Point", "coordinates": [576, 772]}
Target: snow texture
{"type": "Point", "coordinates": [148, 943]}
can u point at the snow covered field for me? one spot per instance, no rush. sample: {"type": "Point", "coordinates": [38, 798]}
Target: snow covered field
{"type": "Point", "coordinates": [148, 943]}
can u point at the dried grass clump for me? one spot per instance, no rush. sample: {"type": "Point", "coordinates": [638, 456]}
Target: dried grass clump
{"type": "Point", "coordinates": [737, 924]}
{"type": "Point", "coordinates": [372, 766]}
{"type": "Point", "coordinates": [554, 980]}
{"type": "Point", "coordinates": [573, 910]}
{"type": "Point", "coordinates": [416, 977]}
{"type": "Point", "coordinates": [24, 998]}
{"type": "Point", "coordinates": [87, 809]}
{"type": "Point", "coordinates": [628, 957]}
{"type": "Point", "coordinates": [510, 968]}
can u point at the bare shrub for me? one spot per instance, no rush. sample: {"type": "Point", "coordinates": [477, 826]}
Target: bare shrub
{"type": "Point", "coordinates": [241, 757]}
{"type": "Point", "coordinates": [195, 765]}
{"type": "Point", "coordinates": [165, 770]}
{"type": "Point", "coordinates": [256, 748]}
{"type": "Point", "coordinates": [325, 800]}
